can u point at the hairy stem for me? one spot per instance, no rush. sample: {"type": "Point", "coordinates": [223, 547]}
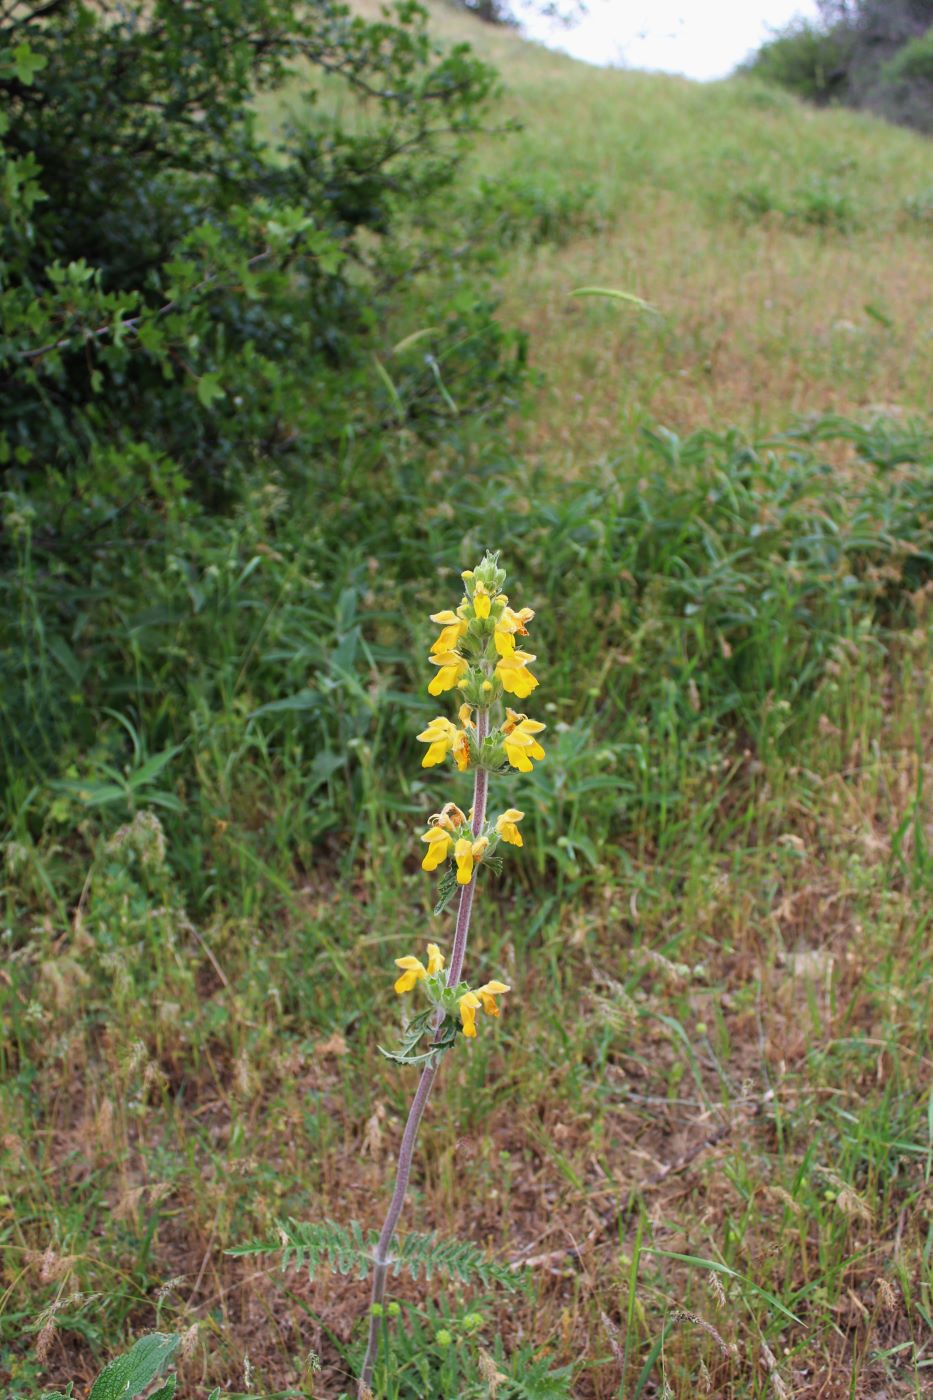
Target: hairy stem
{"type": "Point", "coordinates": [465, 908]}
{"type": "Point", "coordinates": [381, 1258]}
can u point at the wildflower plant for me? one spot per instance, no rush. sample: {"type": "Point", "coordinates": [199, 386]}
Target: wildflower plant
{"type": "Point", "coordinates": [478, 659]}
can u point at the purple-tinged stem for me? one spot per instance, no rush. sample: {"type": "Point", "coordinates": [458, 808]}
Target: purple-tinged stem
{"type": "Point", "coordinates": [465, 908]}
{"type": "Point", "coordinates": [381, 1258]}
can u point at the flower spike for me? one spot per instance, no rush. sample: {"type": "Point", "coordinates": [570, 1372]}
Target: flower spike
{"type": "Point", "coordinates": [475, 653]}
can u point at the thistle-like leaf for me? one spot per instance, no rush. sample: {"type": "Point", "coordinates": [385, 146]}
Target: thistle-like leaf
{"type": "Point", "coordinates": [346, 1248]}
{"type": "Point", "coordinates": [445, 891]}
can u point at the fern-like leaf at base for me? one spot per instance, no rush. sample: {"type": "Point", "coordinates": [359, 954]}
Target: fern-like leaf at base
{"type": "Point", "coordinates": [345, 1249]}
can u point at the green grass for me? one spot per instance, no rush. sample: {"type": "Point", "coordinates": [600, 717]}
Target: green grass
{"type": "Point", "coordinates": [704, 1122]}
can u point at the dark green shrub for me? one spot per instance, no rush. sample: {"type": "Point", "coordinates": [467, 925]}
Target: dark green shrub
{"type": "Point", "coordinates": [806, 60]}
{"type": "Point", "coordinates": [181, 296]}
{"type": "Point", "coordinates": [532, 209]}
{"type": "Point", "coordinates": [197, 322]}
{"type": "Point", "coordinates": [907, 79]}
{"type": "Point", "coordinates": [873, 54]}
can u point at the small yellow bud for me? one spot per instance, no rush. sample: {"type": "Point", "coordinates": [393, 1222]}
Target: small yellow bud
{"type": "Point", "coordinates": [487, 687]}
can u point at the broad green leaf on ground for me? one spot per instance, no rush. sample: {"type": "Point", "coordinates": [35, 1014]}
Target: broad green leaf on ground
{"type": "Point", "coordinates": [129, 1375]}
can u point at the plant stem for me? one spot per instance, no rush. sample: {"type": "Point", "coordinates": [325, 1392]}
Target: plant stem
{"type": "Point", "coordinates": [381, 1258]}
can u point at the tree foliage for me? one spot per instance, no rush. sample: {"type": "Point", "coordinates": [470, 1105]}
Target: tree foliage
{"type": "Point", "coordinates": [511, 13]}
{"type": "Point", "coordinates": [220, 218]}
{"type": "Point", "coordinates": [872, 54]}
{"type": "Point", "coordinates": [181, 295]}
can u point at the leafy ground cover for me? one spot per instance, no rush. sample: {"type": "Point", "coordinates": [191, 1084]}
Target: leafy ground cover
{"type": "Point", "coordinates": [704, 1133]}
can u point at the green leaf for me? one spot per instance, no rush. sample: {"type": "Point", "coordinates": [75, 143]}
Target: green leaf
{"type": "Point", "coordinates": [445, 891]}
{"type": "Point", "coordinates": [302, 700]}
{"type": "Point", "coordinates": [324, 765]}
{"type": "Point", "coordinates": [130, 1374]}
{"type": "Point", "coordinates": [153, 766]}
{"type": "Point", "coordinates": [875, 312]}
{"type": "Point", "coordinates": [409, 340]}
{"type": "Point", "coordinates": [164, 1392]}
{"type": "Point", "coordinates": [399, 1058]}
{"type": "Point", "coordinates": [27, 64]}
{"type": "Point", "coordinates": [393, 392]}
{"type": "Point", "coordinates": [717, 1268]}
{"type": "Point", "coordinates": [209, 389]}
{"type": "Point", "coordinates": [615, 295]}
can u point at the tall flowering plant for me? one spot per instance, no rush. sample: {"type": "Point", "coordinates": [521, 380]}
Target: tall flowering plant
{"type": "Point", "coordinates": [478, 657]}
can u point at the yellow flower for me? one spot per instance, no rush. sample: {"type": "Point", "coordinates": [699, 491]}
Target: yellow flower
{"type": "Point", "coordinates": [488, 994]}
{"type": "Point", "coordinates": [507, 624]}
{"type": "Point", "coordinates": [521, 746]}
{"type": "Point", "coordinates": [453, 628]}
{"type": "Point", "coordinates": [461, 750]}
{"type": "Point", "coordinates": [507, 829]}
{"type": "Point", "coordinates": [482, 601]}
{"type": "Point", "coordinates": [413, 970]}
{"type": "Point", "coordinates": [513, 672]}
{"type": "Point", "coordinates": [468, 853]}
{"type": "Point", "coordinates": [465, 715]}
{"type": "Point", "coordinates": [452, 668]}
{"type": "Point", "coordinates": [442, 736]}
{"type": "Point", "coordinates": [440, 843]}
{"type": "Point", "coordinates": [469, 1004]}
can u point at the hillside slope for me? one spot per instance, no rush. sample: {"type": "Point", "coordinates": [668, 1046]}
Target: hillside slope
{"type": "Point", "coordinates": [788, 250]}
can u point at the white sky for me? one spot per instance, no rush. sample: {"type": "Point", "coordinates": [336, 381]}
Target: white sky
{"type": "Point", "coordinates": [701, 38]}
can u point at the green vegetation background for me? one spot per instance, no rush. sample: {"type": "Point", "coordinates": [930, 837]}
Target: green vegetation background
{"type": "Point", "coordinates": [288, 340]}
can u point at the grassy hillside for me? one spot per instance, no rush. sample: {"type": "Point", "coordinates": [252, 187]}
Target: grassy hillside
{"type": "Point", "coordinates": [787, 250]}
{"type": "Point", "coordinates": [702, 1130]}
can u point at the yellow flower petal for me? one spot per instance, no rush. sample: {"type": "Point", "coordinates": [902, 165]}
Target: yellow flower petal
{"type": "Point", "coordinates": [461, 752]}
{"type": "Point", "coordinates": [513, 672]}
{"type": "Point", "coordinates": [469, 1005]}
{"type": "Point", "coordinates": [520, 745]}
{"type": "Point", "coordinates": [532, 726]}
{"type": "Point", "coordinates": [519, 683]}
{"type": "Point", "coordinates": [506, 827]}
{"type": "Point", "coordinates": [450, 636]}
{"type": "Point", "coordinates": [439, 844]}
{"type": "Point", "coordinates": [518, 758]}
{"type": "Point", "coordinates": [481, 605]}
{"type": "Point", "coordinates": [413, 972]}
{"type": "Point", "coordinates": [435, 959]}
{"type": "Point", "coordinates": [488, 994]}
{"type": "Point", "coordinates": [452, 666]}
{"type": "Point", "coordinates": [463, 855]}
{"type": "Point", "coordinates": [445, 618]}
